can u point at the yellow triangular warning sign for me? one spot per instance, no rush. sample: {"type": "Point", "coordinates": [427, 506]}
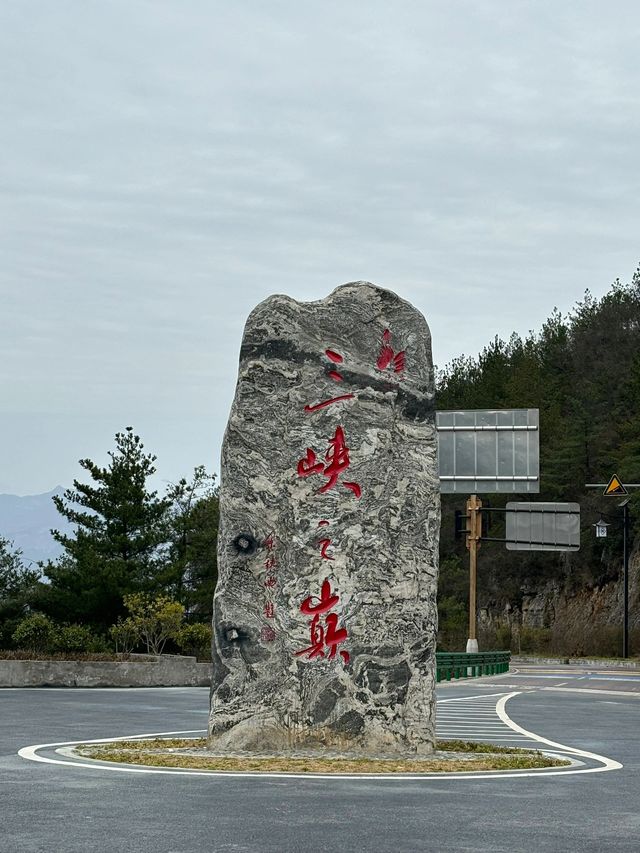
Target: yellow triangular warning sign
{"type": "Point", "coordinates": [615, 487]}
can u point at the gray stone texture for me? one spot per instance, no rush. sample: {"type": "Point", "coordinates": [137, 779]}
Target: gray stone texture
{"type": "Point", "coordinates": [325, 610]}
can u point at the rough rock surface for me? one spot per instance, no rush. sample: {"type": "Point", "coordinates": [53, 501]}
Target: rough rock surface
{"type": "Point", "coordinates": [325, 609]}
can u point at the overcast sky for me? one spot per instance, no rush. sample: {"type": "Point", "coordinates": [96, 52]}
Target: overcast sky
{"type": "Point", "coordinates": [164, 166]}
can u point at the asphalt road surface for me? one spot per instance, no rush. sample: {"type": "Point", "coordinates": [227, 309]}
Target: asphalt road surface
{"type": "Point", "coordinates": [592, 715]}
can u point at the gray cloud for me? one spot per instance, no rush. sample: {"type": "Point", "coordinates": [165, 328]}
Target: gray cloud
{"type": "Point", "coordinates": [165, 166]}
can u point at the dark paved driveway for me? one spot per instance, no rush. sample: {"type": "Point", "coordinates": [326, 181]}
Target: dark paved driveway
{"type": "Point", "coordinates": [55, 808]}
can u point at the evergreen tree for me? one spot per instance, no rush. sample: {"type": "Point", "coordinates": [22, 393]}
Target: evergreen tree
{"type": "Point", "coordinates": [117, 545]}
{"type": "Point", "coordinates": [16, 583]}
{"type": "Point", "coordinates": [191, 571]}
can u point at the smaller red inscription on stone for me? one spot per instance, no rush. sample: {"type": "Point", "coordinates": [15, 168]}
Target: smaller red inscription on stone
{"type": "Point", "coordinates": [326, 601]}
{"type": "Point", "coordinates": [269, 610]}
{"type": "Point", "coordinates": [327, 636]}
{"type": "Point", "coordinates": [389, 358]}
{"type": "Point", "coordinates": [267, 634]}
{"type": "Point", "coordinates": [270, 562]}
{"type": "Point", "coordinates": [271, 581]}
{"type": "Point", "coordinates": [399, 361]}
{"type": "Point", "coordinates": [309, 465]}
{"type": "Point", "coordinates": [337, 457]}
{"type": "Point", "coordinates": [324, 544]}
{"type": "Point", "coordinates": [330, 402]}
{"type": "Point", "coordinates": [269, 542]}
{"type": "Point", "coordinates": [354, 487]}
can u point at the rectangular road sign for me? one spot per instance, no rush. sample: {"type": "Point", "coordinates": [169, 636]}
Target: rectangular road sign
{"type": "Point", "coordinates": [489, 450]}
{"type": "Point", "coordinates": [542, 526]}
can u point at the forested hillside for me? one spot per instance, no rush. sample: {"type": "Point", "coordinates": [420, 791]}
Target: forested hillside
{"type": "Point", "coordinates": [582, 371]}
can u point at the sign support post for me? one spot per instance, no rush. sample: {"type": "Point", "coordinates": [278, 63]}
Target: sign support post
{"type": "Point", "coordinates": [474, 533]}
{"type": "Point", "coordinates": [625, 575]}
{"type": "Point", "coordinates": [615, 488]}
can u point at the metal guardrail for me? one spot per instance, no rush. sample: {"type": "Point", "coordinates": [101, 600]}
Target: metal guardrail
{"type": "Point", "coordinates": [462, 665]}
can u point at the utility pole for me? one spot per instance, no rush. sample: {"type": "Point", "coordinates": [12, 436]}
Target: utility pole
{"type": "Point", "coordinates": [615, 488]}
{"type": "Point", "coordinates": [474, 532]}
{"type": "Point", "coordinates": [625, 577]}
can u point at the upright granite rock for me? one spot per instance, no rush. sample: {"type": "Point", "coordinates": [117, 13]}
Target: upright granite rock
{"type": "Point", "coordinates": [325, 609]}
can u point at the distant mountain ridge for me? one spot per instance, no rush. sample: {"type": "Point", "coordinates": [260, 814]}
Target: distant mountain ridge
{"type": "Point", "coordinates": [27, 522]}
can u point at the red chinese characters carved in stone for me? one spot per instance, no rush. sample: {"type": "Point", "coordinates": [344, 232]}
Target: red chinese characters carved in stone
{"type": "Point", "coordinates": [327, 636]}
{"type": "Point", "coordinates": [337, 457]}
{"type": "Point", "coordinates": [329, 402]}
{"type": "Point", "coordinates": [270, 581]}
{"type": "Point", "coordinates": [389, 358]}
{"type": "Point", "coordinates": [267, 634]}
{"type": "Point", "coordinates": [324, 547]}
{"type": "Point", "coordinates": [270, 610]}
{"type": "Point", "coordinates": [336, 358]}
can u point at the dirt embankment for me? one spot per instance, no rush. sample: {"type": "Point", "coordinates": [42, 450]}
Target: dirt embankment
{"type": "Point", "coordinates": [554, 619]}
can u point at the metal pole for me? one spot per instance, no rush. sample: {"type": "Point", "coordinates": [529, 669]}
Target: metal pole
{"type": "Point", "coordinates": [625, 579]}
{"type": "Point", "coordinates": [474, 531]}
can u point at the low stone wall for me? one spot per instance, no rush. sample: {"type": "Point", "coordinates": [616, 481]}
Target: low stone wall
{"type": "Point", "coordinates": [164, 671]}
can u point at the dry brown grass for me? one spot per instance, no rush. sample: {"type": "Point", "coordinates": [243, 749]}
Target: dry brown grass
{"type": "Point", "coordinates": [190, 754]}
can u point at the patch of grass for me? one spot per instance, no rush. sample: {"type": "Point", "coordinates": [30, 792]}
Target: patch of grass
{"type": "Point", "coordinates": [476, 748]}
{"type": "Point", "coordinates": [191, 754]}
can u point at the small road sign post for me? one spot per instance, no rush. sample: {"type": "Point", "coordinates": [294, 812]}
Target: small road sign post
{"type": "Point", "coordinates": [474, 533]}
{"type": "Point", "coordinates": [613, 489]}
{"type": "Point", "coordinates": [486, 450]}
{"type": "Point", "coordinates": [625, 577]}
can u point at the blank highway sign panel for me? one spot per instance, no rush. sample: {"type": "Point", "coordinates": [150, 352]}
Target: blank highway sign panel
{"type": "Point", "coordinates": [543, 526]}
{"type": "Point", "coordinates": [489, 450]}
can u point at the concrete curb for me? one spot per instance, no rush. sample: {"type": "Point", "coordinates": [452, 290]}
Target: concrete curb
{"type": "Point", "coordinates": [163, 671]}
{"type": "Point", "coordinates": [560, 661]}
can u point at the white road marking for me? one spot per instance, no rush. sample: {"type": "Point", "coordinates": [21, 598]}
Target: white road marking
{"type": "Point", "coordinates": [593, 691]}
{"type": "Point", "coordinates": [31, 753]}
{"type": "Point", "coordinates": [470, 698]}
{"type": "Point", "coordinates": [609, 763]}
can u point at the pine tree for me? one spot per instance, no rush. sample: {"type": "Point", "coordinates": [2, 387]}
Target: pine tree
{"type": "Point", "coordinates": [117, 545]}
{"type": "Point", "coordinates": [193, 532]}
{"type": "Point", "coordinates": [16, 583]}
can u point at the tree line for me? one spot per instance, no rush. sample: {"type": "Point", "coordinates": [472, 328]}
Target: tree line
{"type": "Point", "coordinates": [130, 544]}
{"type": "Point", "coordinates": [582, 371]}
{"type": "Point", "coordinates": [130, 550]}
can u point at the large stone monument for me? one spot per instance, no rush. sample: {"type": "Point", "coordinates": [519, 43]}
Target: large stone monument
{"type": "Point", "coordinates": [325, 609]}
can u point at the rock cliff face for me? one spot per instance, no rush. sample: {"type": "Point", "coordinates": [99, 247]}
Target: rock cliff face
{"type": "Point", "coordinates": [581, 622]}
{"type": "Point", "coordinates": [325, 609]}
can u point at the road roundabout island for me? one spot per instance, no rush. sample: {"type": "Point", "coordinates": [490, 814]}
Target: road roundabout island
{"type": "Point", "coordinates": [184, 753]}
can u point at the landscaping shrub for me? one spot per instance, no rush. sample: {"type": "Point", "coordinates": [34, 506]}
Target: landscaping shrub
{"type": "Point", "coordinates": [154, 620]}
{"type": "Point", "coordinates": [77, 638]}
{"type": "Point", "coordinates": [35, 633]}
{"type": "Point", "coordinates": [195, 640]}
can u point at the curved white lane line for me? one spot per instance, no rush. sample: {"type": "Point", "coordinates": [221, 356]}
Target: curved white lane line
{"type": "Point", "coordinates": [608, 763]}
{"type": "Point", "coordinates": [30, 753]}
